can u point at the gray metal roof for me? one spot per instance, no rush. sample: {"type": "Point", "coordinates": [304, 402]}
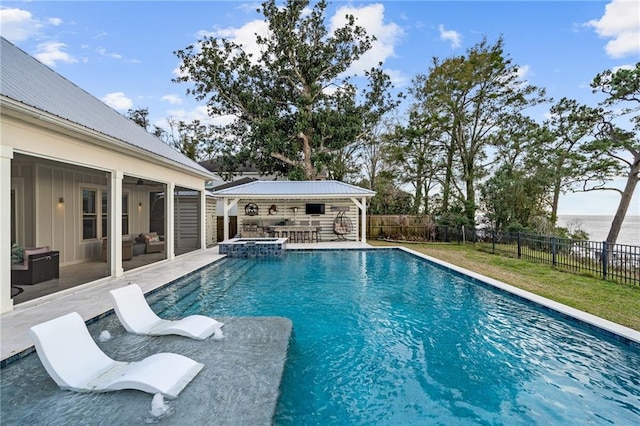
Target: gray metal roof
{"type": "Point", "coordinates": [28, 81]}
{"type": "Point", "coordinates": [295, 189]}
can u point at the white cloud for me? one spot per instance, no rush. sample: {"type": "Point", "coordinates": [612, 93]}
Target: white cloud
{"type": "Point", "coordinates": [55, 21]}
{"type": "Point", "coordinates": [398, 78]}
{"type": "Point", "coordinates": [198, 113]}
{"type": "Point", "coordinates": [103, 52]}
{"type": "Point", "coordinates": [117, 101]}
{"type": "Point", "coordinates": [244, 36]}
{"type": "Point", "coordinates": [623, 67]}
{"type": "Point", "coordinates": [172, 99]}
{"type": "Point", "coordinates": [621, 24]}
{"type": "Point", "coordinates": [249, 7]}
{"type": "Point", "coordinates": [371, 17]}
{"type": "Point", "coordinates": [51, 52]}
{"type": "Point", "coordinates": [453, 37]}
{"type": "Point", "coordinates": [17, 25]}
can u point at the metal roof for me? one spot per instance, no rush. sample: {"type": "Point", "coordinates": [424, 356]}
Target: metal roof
{"type": "Point", "coordinates": [294, 189]}
{"type": "Point", "coordinates": [28, 81]}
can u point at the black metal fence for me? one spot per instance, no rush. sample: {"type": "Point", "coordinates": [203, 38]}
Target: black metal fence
{"type": "Point", "coordinates": [615, 262]}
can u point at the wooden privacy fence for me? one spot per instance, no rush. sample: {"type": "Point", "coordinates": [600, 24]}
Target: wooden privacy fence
{"type": "Point", "coordinates": [380, 226]}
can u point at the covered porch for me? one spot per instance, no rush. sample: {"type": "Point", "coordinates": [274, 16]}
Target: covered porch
{"type": "Point", "coordinates": [84, 189]}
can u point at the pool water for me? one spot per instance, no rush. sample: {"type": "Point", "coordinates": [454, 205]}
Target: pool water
{"type": "Point", "coordinates": [384, 337]}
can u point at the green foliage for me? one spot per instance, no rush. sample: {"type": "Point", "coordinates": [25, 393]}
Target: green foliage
{"type": "Point", "coordinates": [616, 151]}
{"type": "Point", "coordinates": [140, 116]}
{"type": "Point", "coordinates": [569, 129]}
{"type": "Point", "coordinates": [389, 199]}
{"type": "Point", "coordinates": [285, 117]}
{"type": "Point", "coordinates": [473, 98]}
{"type": "Point", "coordinates": [510, 198]}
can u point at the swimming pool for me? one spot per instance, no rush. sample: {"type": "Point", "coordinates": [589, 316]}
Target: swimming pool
{"type": "Point", "coordinates": [383, 337]}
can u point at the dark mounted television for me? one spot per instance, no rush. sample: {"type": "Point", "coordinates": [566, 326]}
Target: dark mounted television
{"type": "Point", "coordinates": [314, 209]}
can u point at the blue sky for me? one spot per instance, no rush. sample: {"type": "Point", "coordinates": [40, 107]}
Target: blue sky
{"type": "Point", "coordinates": [122, 52]}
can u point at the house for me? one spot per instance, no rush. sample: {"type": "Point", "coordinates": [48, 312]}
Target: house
{"type": "Point", "coordinates": [81, 179]}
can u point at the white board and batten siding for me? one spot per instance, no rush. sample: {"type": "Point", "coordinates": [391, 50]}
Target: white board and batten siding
{"type": "Point", "coordinates": [284, 210]}
{"type": "Point", "coordinates": [211, 222]}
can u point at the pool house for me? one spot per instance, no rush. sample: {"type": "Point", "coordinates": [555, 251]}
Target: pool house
{"type": "Point", "coordinates": [302, 211]}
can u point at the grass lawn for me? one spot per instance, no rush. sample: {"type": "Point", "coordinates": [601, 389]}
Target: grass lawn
{"type": "Point", "coordinates": [615, 302]}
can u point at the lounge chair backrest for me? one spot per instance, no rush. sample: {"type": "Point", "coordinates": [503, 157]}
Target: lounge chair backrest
{"type": "Point", "coordinates": [132, 308]}
{"type": "Point", "coordinates": [67, 350]}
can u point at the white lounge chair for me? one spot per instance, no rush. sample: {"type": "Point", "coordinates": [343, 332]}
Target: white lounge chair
{"type": "Point", "coordinates": [137, 317]}
{"type": "Point", "coordinates": [75, 362]}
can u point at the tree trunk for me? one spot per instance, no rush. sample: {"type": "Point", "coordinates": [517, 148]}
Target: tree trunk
{"type": "Point", "coordinates": [556, 200]}
{"type": "Point", "coordinates": [625, 201]}
{"type": "Point", "coordinates": [446, 187]}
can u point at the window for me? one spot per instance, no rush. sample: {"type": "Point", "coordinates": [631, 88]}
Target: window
{"type": "Point", "coordinates": [125, 214]}
{"type": "Point", "coordinates": [105, 214]}
{"type": "Point", "coordinates": [89, 216]}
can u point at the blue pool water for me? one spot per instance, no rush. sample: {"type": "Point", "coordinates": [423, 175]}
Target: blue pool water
{"type": "Point", "coordinates": [383, 337]}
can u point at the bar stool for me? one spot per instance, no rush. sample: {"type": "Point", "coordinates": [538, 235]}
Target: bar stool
{"type": "Point", "coordinates": [316, 231]}
{"type": "Point", "coordinates": [304, 233]}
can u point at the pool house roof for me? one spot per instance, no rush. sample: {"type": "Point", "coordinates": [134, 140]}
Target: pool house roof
{"type": "Point", "coordinates": [313, 189]}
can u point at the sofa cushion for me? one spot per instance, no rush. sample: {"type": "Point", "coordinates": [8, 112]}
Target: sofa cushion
{"type": "Point", "coordinates": [151, 237]}
{"type": "Point", "coordinates": [38, 250]}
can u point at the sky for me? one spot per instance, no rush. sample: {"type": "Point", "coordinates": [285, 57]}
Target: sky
{"type": "Point", "coordinates": [122, 52]}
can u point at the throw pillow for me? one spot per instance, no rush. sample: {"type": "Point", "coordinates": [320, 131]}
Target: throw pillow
{"type": "Point", "coordinates": [17, 254]}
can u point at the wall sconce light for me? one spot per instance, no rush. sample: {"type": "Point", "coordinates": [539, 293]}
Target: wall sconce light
{"type": "Point", "coordinates": [140, 205]}
{"type": "Point", "coordinates": [61, 200]}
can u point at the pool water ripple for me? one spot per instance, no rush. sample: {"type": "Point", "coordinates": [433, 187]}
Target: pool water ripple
{"type": "Point", "coordinates": [386, 338]}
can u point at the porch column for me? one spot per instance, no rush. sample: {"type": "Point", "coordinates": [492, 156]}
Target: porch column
{"type": "Point", "coordinates": [362, 205]}
{"type": "Point", "coordinates": [364, 220]}
{"type": "Point", "coordinates": [203, 219]}
{"type": "Point", "coordinates": [115, 220]}
{"type": "Point", "coordinates": [6, 303]}
{"type": "Point", "coordinates": [170, 208]}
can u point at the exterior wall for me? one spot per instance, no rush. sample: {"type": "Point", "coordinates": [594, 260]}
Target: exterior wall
{"type": "Point", "coordinates": [211, 222]}
{"type": "Point", "coordinates": [58, 225]}
{"type": "Point", "coordinates": [285, 212]}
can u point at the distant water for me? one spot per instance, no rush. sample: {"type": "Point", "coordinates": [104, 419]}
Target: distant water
{"type": "Point", "coordinates": [598, 227]}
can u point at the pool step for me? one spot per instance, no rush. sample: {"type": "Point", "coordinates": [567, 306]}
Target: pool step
{"type": "Point", "coordinates": [192, 297]}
